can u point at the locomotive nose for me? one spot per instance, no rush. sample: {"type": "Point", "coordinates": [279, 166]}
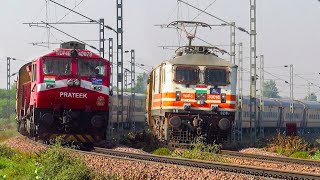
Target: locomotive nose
{"type": "Point", "coordinates": [224, 124]}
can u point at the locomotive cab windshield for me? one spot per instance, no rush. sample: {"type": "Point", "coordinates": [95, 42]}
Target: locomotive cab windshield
{"type": "Point", "coordinates": [91, 68]}
{"type": "Point", "coordinates": [187, 75]}
{"type": "Point", "coordinates": [56, 66]}
{"type": "Point", "coordinates": [216, 76]}
{"type": "Point", "coordinates": [63, 66]}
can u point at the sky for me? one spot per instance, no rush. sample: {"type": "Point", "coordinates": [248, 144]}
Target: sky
{"type": "Point", "coordinates": [287, 32]}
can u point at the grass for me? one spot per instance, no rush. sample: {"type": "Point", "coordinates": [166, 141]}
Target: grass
{"type": "Point", "coordinates": [15, 165]}
{"type": "Point", "coordinates": [300, 154]}
{"type": "Point", "coordinates": [291, 146]}
{"type": "Point", "coordinates": [7, 134]}
{"type": "Point", "coordinates": [162, 151]}
{"type": "Point", "coordinates": [199, 150]}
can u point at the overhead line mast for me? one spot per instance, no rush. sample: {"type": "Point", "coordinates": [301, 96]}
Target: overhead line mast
{"type": "Point", "coordinates": [253, 70]}
{"type": "Point", "coordinates": [120, 64]}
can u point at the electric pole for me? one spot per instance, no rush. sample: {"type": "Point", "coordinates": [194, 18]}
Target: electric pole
{"type": "Point", "coordinates": [291, 92]}
{"type": "Point", "coordinates": [9, 86]}
{"type": "Point", "coordinates": [101, 37]}
{"type": "Point", "coordinates": [133, 86]}
{"type": "Point", "coordinates": [261, 126]}
{"type": "Point", "coordinates": [233, 42]}
{"type": "Point", "coordinates": [253, 70]}
{"type": "Point", "coordinates": [120, 63]}
{"type": "Point", "coordinates": [240, 96]}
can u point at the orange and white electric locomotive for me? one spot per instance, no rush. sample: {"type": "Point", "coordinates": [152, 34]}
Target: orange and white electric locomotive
{"type": "Point", "coordinates": [193, 94]}
{"type": "Point", "coordinates": [64, 93]}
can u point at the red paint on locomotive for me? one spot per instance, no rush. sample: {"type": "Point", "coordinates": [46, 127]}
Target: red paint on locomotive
{"type": "Point", "coordinates": [67, 93]}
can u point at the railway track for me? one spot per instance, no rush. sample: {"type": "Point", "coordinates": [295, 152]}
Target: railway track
{"type": "Point", "coordinates": [272, 158]}
{"type": "Point", "coordinates": [240, 169]}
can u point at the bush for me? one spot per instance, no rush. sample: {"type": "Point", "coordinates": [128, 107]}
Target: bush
{"type": "Point", "coordinates": [162, 152]}
{"type": "Point", "coordinates": [316, 156]}
{"type": "Point", "coordinates": [58, 163]}
{"type": "Point", "coordinates": [300, 154]}
{"type": "Point", "coordinates": [6, 152]}
{"type": "Point", "coordinates": [287, 145]}
{"type": "Point", "coordinates": [202, 151]}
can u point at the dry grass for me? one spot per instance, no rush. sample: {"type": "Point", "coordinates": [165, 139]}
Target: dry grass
{"type": "Point", "coordinates": [287, 145]}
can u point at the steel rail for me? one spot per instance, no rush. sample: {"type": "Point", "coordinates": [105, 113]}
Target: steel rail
{"type": "Point", "coordinates": [272, 158]}
{"type": "Point", "coordinates": [240, 169]}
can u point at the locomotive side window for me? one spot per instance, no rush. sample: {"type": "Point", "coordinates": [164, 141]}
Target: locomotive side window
{"type": "Point", "coordinates": [57, 66]}
{"type": "Point", "coordinates": [34, 73]}
{"type": "Point", "coordinates": [91, 68]}
{"type": "Point", "coordinates": [187, 75]}
{"type": "Point", "coordinates": [216, 76]}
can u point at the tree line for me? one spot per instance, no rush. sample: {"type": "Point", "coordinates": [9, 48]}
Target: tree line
{"type": "Point", "coordinates": [270, 90]}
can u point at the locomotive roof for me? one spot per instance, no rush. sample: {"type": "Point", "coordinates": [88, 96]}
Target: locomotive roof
{"type": "Point", "coordinates": [201, 60]}
{"type": "Point", "coordinates": [60, 52]}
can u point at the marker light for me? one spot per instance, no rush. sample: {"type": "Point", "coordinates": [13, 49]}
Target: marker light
{"type": "Point", "coordinates": [223, 98]}
{"type": "Point", "coordinates": [178, 95]}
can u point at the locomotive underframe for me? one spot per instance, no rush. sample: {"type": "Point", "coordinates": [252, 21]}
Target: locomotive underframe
{"type": "Point", "coordinates": [185, 133]}
{"type": "Point", "coordinates": [45, 124]}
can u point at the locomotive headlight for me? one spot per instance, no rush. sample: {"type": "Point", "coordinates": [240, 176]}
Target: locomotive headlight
{"type": "Point", "coordinates": [214, 107]}
{"type": "Point", "coordinates": [178, 95]}
{"type": "Point", "coordinates": [187, 106]}
{"type": "Point", "coordinates": [76, 82]}
{"type": "Point", "coordinates": [70, 82]}
{"type": "Point", "coordinates": [50, 86]}
{"type": "Point", "coordinates": [223, 98]}
{"type": "Point", "coordinates": [97, 88]}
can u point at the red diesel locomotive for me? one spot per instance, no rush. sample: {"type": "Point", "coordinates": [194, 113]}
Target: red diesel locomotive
{"type": "Point", "coordinates": [64, 93]}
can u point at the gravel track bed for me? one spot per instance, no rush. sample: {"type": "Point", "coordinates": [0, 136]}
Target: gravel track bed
{"type": "Point", "coordinates": [148, 170]}
{"type": "Point", "coordinates": [23, 144]}
{"type": "Point", "coordinates": [129, 169]}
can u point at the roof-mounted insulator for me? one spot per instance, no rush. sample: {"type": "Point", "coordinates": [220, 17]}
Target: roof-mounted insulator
{"type": "Point", "coordinates": [73, 45]}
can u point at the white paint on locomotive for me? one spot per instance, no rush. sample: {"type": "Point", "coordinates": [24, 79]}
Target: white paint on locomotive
{"type": "Point", "coordinates": [190, 90]}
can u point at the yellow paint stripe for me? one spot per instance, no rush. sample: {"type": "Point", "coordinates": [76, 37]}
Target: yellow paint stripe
{"type": "Point", "coordinates": [81, 138]}
{"type": "Point", "coordinates": [71, 138]}
{"type": "Point", "coordinates": [90, 138]}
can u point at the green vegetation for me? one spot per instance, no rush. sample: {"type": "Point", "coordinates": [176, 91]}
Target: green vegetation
{"type": "Point", "coordinates": [292, 146]}
{"type": "Point", "coordinates": [54, 163]}
{"type": "Point", "coordinates": [202, 151]}
{"type": "Point", "coordinates": [270, 89]}
{"type": "Point", "coordinates": [316, 156]}
{"type": "Point", "coordinates": [198, 150]}
{"type": "Point", "coordinates": [14, 165]}
{"type": "Point", "coordinates": [162, 152]}
{"type": "Point", "coordinates": [7, 134]}
{"type": "Point", "coordinates": [300, 154]}
{"type": "Point", "coordinates": [3, 105]}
